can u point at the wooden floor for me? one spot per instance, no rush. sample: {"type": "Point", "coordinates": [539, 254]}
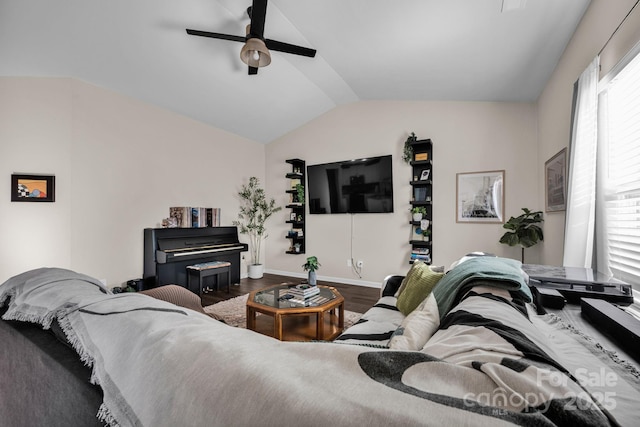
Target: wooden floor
{"type": "Point", "coordinates": [357, 298]}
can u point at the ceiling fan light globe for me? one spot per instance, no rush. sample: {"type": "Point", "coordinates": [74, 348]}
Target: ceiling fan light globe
{"type": "Point", "coordinates": [248, 53]}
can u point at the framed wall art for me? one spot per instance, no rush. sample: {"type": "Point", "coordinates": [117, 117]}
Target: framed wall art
{"type": "Point", "coordinates": [33, 188]}
{"type": "Point", "coordinates": [480, 197]}
{"type": "Point", "coordinates": [555, 178]}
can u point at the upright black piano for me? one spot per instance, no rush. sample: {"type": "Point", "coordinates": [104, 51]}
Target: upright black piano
{"type": "Point", "coordinates": [168, 252]}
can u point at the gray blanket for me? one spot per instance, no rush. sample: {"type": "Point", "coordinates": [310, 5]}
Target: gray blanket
{"type": "Point", "coordinates": [160, 365]}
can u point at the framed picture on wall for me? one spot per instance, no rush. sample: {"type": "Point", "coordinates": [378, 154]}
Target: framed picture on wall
{"type": "Point", "coordinates": [33, 188]}
{"type": "Point", "coordinates": [480, 197]}
{"type": "Point", "coordinates": [555, 178]}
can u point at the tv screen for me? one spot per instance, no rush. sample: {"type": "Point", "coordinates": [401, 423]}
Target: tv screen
{"type": "Point", "coordinates": [351, 186]}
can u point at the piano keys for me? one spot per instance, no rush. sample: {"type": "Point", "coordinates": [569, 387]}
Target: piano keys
{"type": "Point", "coordinates": [168, 252]}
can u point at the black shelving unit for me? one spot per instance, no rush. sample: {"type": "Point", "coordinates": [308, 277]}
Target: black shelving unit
{"type": "Point", "coordinates": [296, 206]}
{"type": "Point", "coordinates": [422, 195]}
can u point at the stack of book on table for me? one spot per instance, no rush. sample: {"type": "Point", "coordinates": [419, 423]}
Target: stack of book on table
{"type": "Point", "coordinates": [306, 294]}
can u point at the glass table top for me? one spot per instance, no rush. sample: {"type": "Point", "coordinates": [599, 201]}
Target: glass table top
{"type": "Point", "coordinates": [281, 297]}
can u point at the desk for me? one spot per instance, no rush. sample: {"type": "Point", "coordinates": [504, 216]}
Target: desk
{"type": "Point", "coordinates": [198, 272]}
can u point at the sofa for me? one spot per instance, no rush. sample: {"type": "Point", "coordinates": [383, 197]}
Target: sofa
{"type": "Point", "coordinates": [473, 351]}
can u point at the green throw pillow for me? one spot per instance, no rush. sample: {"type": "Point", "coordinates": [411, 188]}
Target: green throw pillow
{"type": "Point", "coordinates": [416, 266]}
{"type": "Point", "coordinates": [418, 285]}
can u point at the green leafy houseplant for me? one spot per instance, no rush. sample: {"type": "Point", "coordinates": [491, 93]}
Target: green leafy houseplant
{"type": "Point", "coordinates": [254, 212]}
{"type": "Point", "coordinates": [425, 234]}
{"type": "Point", "coordinates": [524, 230]}
{"type": "Point", "coordinates": [300, 193]}
{"type": "Point", "coordinates": [407, 151]}
{"type": "Point", "coordinates": [418, 212]}
{"type": "Point", "coordinates": [419, 209]}
{"type": "Point", "coordinates": [311, 266]}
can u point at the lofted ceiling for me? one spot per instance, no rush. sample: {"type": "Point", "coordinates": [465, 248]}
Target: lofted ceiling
{"type": "Point", "coordinates": [465, 50]}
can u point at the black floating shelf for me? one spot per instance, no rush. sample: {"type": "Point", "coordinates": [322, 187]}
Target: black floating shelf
{"type": "Point", "coordinates": [296, 217]}
{"type": "Point", "coordinates": [420, 163]}
{"type": "Point", "coordinates": [420, 142]}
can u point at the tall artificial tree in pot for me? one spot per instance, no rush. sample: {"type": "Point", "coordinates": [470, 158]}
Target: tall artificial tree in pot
{"type": "Point", "coordinates": [254, 212]}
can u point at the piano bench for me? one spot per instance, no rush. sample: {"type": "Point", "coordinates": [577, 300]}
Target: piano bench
{"type": "Point", "coordinates": [198, 272]}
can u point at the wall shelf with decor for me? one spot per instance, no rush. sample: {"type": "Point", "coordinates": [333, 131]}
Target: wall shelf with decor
{"type": "Point", "coordinates": [296, 206]}
{"type": "Point", "coordinates": [422, 197]}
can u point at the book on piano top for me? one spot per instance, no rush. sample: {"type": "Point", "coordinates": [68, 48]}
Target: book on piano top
{"type": "Point", "coordinates": [195, 217]}
{"type": "Point", "coordinates": [182, 214]}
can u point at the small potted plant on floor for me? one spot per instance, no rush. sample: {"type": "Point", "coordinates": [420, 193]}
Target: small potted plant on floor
{"type": "Point", "coordinates": [254, 212]}
{"type": "Point", "coordinates": [311, 266]}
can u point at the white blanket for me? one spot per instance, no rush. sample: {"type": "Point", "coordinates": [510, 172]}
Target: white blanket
{"type": "Point", "coordinates": [160, 365]}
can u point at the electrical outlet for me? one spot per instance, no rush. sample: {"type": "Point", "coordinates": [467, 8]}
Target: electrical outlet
{"type": "Point", "coordinates": [360, 263]}
{"type": "Point", "coordinates": [349, 262]}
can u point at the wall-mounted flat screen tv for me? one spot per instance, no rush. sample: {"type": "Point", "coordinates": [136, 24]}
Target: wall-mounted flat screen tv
{"type": "Point", "coordinates": [351, 186]}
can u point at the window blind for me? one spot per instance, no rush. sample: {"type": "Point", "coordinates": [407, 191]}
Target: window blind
{"type": "Point", "coordinates": [622, 173]}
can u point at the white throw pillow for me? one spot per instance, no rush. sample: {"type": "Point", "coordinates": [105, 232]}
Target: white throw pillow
{"type": "Point", "coordinates": [417, 327]}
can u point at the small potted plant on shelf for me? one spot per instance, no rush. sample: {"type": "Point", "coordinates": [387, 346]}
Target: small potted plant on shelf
{"type": "Point", "coordinates": [425, 234]}
{"type": "Point", "coordinates": [300, 193]}
{"type": "Point", "coordinates": [254, 212]}
{"type": "Point", "coordinates": [311, 266]}
{"type": "Point", "coordinates": [407, 151]}
{"type": "Point", "coordinates": [418, 212]}
{"type": "Point", "coordinates": [524, 230]}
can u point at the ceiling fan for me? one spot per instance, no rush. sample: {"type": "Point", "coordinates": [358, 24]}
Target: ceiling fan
{"type": "Point", "coordinates": [255, 52]}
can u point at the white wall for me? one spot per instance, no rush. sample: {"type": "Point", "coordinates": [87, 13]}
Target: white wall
{"type": "Point", "coordinates": [35, 137]}
{"type": "Point", "coordinates": [467, 137]}
{"type": "Point", "coordinates": [554, 105]}
{"type": "Point", "coordinates": [119, 165]}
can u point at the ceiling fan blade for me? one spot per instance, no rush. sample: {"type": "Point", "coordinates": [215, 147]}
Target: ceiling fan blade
{"type": "Point", "coordinates": [216, 35]}
{"type": "Point", "coordinates": [253, 70]}
{"type": "Point", "coordinates": [289, 48]}
{"type": "Point", "coordinates": [258, 16]}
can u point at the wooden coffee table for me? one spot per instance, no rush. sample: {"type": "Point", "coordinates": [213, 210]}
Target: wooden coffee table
{"type": "Point", "coordinates": [294, 321]}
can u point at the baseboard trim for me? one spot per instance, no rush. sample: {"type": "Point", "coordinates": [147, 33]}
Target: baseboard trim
{"type": "Point", "coordinates": [327, 278]}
